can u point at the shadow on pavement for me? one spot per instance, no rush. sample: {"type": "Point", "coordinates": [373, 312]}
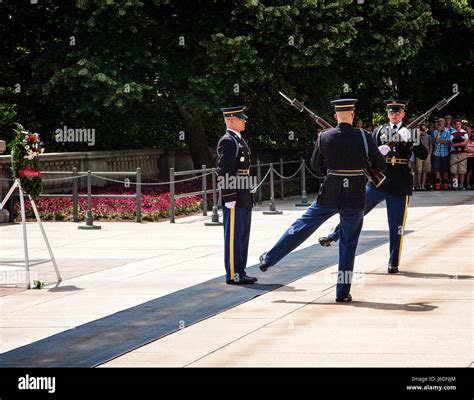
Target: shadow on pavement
{"type": "Point", "coordinates": [68, 288]}
{"type": "Point", "coordinates": [411, 307]}
{"type": "Point", "coordinates": [426, 275]}
{"type": "Point", "coordinates": [272, 286]}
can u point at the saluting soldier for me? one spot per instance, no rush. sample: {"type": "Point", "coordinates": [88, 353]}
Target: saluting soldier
{"type": "Point", "coordinates": [342, 151]}
{"type": "Point", "coordinates": [397, 145]}
{"type": "Point", "coordinates": [234, 195]}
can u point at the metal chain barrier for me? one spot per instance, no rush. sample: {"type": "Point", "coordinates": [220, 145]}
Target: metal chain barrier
{"type": "Point", "coordinates": [51, 179]}
{"type": "Point", "coordinates": [149, 183]}
{"type": "Point", "coordinates": [64, 179]}
{"type": "Point", "coordinates": [253, 190]}
{"type": "Point", "coordinates": [288, 177]}
{"type": "Point", "coordinates": [213, 171]}
{"type": "Point", "coordinates": [113, 180]}
{"type": "Point", "coordinates": [317, 177]}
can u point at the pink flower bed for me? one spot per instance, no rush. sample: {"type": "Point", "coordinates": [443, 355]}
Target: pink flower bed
{"type": "Point", "coordinates": [155, 204]}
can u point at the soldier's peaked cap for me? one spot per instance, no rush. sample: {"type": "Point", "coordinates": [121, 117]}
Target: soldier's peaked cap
{"type": "Point", "coordinates": [237, 111]}
{"type": "Point", "coordinates": [344, 104]}
{"type": "Point", "coordinates": [396, 105]}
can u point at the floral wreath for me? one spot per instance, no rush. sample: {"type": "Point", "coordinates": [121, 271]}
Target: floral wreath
{"type": "Point", "coordinates": [25, 148]}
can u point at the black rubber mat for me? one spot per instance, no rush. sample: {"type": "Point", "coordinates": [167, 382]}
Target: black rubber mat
{"type": "Point", "coordinates": [104, 339]}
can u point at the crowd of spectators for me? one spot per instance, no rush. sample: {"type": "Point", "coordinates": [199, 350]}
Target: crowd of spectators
{"type": "Point", "coordinates": [449, 166]}
{"type": "Point", "coordinates": [450, 145]}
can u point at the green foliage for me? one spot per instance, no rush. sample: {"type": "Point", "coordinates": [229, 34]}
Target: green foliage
{"type": "Point", "coordinates": [379, 118]}
{"type": "Point", "coordinates": [446, 59]}
{"type": "Point", "coordinates": [37, 284]}
{"type": "Point", "coordinates": [7, 115]}
{"type": "Point", "coordinates": [131, 69]}
{"type": "Point", "coordinates": [389, 34]}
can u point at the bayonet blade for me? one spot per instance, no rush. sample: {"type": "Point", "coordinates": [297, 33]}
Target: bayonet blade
{"type": "Point", "coordinates": [286, 97]}
{"type": "Point", "coordinates": [295, 103]}
{"type": "Point", "coordinates": [453, 96]}
{"type": "Point", "coordinates": [445, 102]}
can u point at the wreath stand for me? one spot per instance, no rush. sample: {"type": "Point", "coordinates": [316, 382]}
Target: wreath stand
{"type": "Point", "coordinates": [17, 185]}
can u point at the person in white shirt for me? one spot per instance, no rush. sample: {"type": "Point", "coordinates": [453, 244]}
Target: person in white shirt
{"type": "Point", "coordinates": [458, 168]}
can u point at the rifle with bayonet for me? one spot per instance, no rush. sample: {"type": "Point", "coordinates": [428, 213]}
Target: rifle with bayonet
{"type": "Point", "coordinates": [375, 176]}
{"type": "Point", "coordinates": [301, 107]}
{"type": "Point", "coordinates": [413, 124]}
{"type": "Point", "coordinates": [439, 106]}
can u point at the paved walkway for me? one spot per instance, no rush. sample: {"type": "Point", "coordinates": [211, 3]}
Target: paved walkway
{"type": "Point", "coordinates": [421, 317]}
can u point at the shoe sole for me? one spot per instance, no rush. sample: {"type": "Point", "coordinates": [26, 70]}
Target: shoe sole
{"type": "Point", "coordinates": [324, 243]}
{"type": "Point", "coordinates": [343, 300]}
{"type": "Point", "coordinates": [261, 260]}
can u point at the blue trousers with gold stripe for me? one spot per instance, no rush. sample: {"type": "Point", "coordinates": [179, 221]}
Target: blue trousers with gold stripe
{"type": "Point", "coordinates": [312, 219]}
{"type": "Point", "coordinates": [397, 207]}
{"type": "Point", "coordinates": [237, 222]}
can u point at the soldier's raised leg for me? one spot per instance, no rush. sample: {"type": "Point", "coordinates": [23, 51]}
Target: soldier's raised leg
{"type": "Point", "coordinates": [297, 233]}
{"type": "Point", "coordinates": [373, 197]}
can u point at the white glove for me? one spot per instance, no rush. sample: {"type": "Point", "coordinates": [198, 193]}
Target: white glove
{"type": "Point", "coordinates": [404, 134]}
{"type": "Point", "coordinates": [384, 149]}
{"type": "Point", "coordinates": [230, 204]}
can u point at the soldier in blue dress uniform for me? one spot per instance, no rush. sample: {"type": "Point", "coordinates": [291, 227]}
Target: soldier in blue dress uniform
{"type": "Point", "coordinates": [397, 187]}
{"type": "Point", "coordinates": [340, 150]}
{"type": "Point", "coordinates": [234, 195]}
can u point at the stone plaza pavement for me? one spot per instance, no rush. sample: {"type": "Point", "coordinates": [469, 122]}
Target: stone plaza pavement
{"type": "Point", "coordinates": [421, 317]}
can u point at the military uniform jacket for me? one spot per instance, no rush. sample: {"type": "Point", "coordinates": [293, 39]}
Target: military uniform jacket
{"type": "Point", "coordinates": [399, 180]}
{"type": "Point", "coordinates": [342, 149]}
{"type": "Point", "coordinates": [234, 158]}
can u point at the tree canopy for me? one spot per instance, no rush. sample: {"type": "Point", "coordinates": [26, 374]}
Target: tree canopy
{"type": "Point", "coordinates": [155, 73]}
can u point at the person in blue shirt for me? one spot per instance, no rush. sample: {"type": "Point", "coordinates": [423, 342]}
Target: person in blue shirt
{"type": "Point", "coordinates": [449, 123]}
{"type": "Point", "coordinates": [441, 151]}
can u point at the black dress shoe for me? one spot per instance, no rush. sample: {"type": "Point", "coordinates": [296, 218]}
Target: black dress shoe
{"type": "Point", "coordinates": [243, 280]}
{"type": "Point", "coordinates": [325, 241]}
{"type": "Point", "coordinates": [346, 299]}
{"type": "Point", "coordinates": [263, 267]}
{"type": "Point", "coordinates": [249, 277]}
{"type": "Point", "coordinates": [392, 269]}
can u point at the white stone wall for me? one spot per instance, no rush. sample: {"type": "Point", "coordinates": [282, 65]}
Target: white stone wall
{"type": "Point", "coordinates": [155, 164]}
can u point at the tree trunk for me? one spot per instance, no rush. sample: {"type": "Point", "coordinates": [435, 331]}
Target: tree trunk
{"type": "Point", "coordinates": [195, 137]}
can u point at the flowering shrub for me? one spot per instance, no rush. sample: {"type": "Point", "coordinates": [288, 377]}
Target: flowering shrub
{"type": "Point", "coordinates": [25, 149]}
{"type": "Point", "coordinates": [155, 204]}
